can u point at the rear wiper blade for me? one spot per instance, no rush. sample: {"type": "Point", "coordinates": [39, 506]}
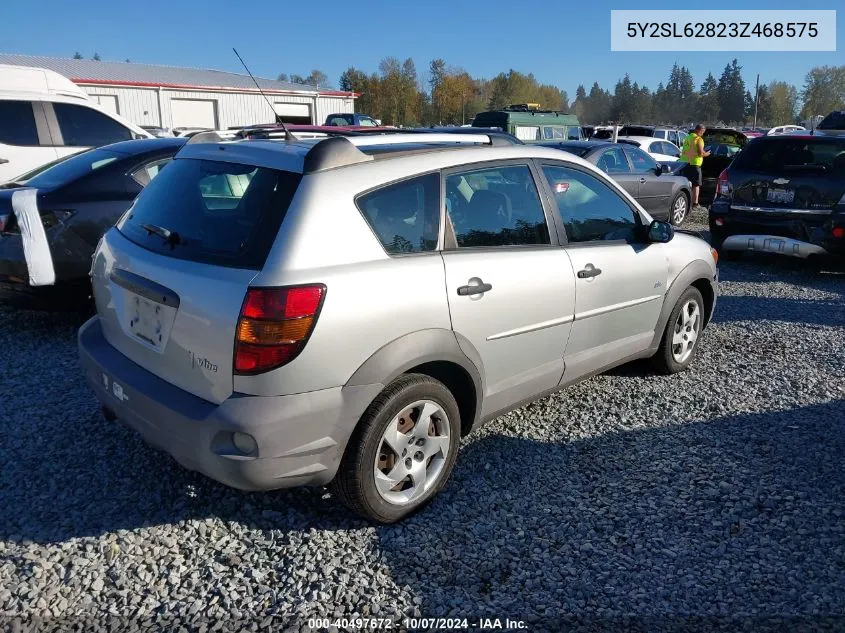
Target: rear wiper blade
{"type": "Point", "coordinates": [170, 237]}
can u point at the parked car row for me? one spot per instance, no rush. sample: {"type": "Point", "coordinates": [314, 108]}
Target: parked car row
{"type": "Point", "coordinates": [268, 237]}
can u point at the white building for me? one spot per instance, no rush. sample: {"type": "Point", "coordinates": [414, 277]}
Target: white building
{"type": "Point", "coordinates": [172, 97]}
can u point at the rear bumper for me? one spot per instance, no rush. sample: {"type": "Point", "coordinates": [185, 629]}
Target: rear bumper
{"type": "Point", "coordinates": [792, 234]}
{"type": "Point", "coordinates": [300, 438]}
{"type": "Point", "coordinates": [773, 244]}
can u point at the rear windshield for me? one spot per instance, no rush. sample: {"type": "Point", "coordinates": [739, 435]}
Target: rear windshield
{"type": "Point", "coordinates": [578, 150]}
{"type": "Point", "coordinates": [779, 154]}
{"type": "Point", "coordinates": [212, 212]}
{"type": "Point", "coordinates": [833, 121]}
{"type": "Point", "coordinates": [67, 170]}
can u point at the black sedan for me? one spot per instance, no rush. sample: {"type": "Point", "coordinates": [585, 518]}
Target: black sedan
{"type": "Point", "coordinates": [665, 196]}
{"type": "Point", "coordinates": [78, 199]}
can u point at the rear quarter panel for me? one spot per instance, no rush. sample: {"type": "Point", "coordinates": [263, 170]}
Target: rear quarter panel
{"type": "Point", "coordinates": [371, 298]}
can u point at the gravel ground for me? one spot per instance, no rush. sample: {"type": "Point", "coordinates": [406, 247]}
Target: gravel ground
{"type": "Point", "coordinates": [629, 502]}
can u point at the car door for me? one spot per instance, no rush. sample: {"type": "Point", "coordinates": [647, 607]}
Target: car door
{"type": "Point", "coordinates": [511, 290]}
{"type": "Point", "coordinates": [620, 282]}
{"type": "Point", "coordinates": [615, 164]}
{"type": "Point", "coordinates": [25, 142]}
{"type": "Point", "coordinates": [654, 189]}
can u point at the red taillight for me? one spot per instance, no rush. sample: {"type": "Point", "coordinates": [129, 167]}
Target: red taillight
{"type": "Point", "coordinates": [838, 232]}
{"type": "Point", "coordinates": [723, 185]}
{"type": "Point", "coordinates": [274, 326]}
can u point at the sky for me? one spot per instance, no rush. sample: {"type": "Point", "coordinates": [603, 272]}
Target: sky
{"type": "Point", "coordinates": [562, 43]}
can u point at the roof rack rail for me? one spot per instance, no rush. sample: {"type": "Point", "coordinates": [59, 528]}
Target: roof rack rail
{"type": "Point", "coordinates": [339, 151]}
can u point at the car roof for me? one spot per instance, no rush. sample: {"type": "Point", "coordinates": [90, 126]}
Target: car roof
{"type": "Point", "coordinates": [144, 145]}
{"type": "Point", "coordinates": [643, 139]}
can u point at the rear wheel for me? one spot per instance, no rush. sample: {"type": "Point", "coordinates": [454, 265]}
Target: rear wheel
{"type": "Point", "coordinates": [682, 333]}
{"type": "Point", "coordinates": [402, 451]}
{"type": "Point", "coordinates": [679, 209]}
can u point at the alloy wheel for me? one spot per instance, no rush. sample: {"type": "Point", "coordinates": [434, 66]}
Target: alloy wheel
{"type": "Point", "coordinates": [686, 331]}
{"type": "Point", "coordinates": [679, 210]}
{"type": "Point", "coordinates": [412, 452]}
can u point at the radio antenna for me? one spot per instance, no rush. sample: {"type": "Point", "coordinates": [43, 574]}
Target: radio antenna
{"type": "Point", "coordinates": [288, 135]}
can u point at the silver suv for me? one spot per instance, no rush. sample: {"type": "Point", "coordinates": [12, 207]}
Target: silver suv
{"type": "Point", "coordinates": [343, 310]}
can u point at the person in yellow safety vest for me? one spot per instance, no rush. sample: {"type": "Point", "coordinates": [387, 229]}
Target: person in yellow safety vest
{"type": "Point", "coordinates": [693, 154]}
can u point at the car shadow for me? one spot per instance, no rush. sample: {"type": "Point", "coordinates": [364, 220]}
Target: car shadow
{"type": "Point", "coordinates": [706, 518]}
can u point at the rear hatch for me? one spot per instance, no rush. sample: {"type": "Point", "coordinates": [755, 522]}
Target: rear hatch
{"type": "Point", "coordinates": [789, 173]}
{"type": "Point", "coordinates": [170, 279]}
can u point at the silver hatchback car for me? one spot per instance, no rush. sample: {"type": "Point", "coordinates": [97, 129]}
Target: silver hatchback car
{"type": "Point", "coordinates": [341, 311]}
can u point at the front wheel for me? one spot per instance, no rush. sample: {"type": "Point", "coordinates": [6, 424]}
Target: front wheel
{"type": "Point", "coordinates": [402, 451]}
{"type": "Point", "coordinates": [679, 208]}
{"type": "Point", "coordinates": [682, 333]}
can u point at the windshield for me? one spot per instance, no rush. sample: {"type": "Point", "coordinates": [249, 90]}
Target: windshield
{"type": "Point", "coordinates": [779, 154]}
{"type": "Point", "coordinates": [68, 169]}
{"type": "Point", "coordinates": [833, 121]}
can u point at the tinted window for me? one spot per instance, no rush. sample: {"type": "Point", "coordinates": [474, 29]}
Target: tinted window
{"type": "Point", "coordinates": [573, 133]}
{"type": "Point", "coordinates": [496, 207]}
{"type": "Point", "coordinates": [833, 121]}
{"type": "Point", "coordinates": [366, 121]}
{"type": "Point", "coordinates": [641, 161]}
{"type": "Point", "coordinates": [591, 211]}
{"type": "Point", "coordinates": [17, 123]}
{"type": "Point", "coordinates": [73, 168]}
{"type": "Point", "coordinates": [613, 161]}
{"type": "Point", "coordinates": [339, 120]}
{"type": "Point", "coordinates": [145, 173]}
{"type": "Point", "coordinates": [578, 150]}
{"type": "Point", "coordinates": [405, 216]}
{"type": "Point", "coordinates": [217, 213]}
{"type": "Point", "coordinates": [660, 134]}
{"type": "Point", "coordinates": [786, 154]}
{"type": "Point", "coordinates": [85, 127]}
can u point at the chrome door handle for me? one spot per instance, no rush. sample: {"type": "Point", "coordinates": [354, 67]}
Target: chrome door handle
{"type": "Point", "coordinates": [642, 181]}
{"type": "Point", "coordinates": [475, 287]}
{"type": "Point", "coordinates": [588, 272]}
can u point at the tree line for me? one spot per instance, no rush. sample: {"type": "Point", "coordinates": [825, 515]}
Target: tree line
{"type": "Point", "coordinates": [396, 95]}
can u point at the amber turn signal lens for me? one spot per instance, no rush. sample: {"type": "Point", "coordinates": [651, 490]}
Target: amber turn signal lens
{"type": "Point", "coordinates": [715, 255]}
{"type": "Point", "coordinates": [273, 332]}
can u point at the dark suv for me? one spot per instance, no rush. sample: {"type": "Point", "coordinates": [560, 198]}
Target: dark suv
{"type": "Point", "coordinates": [783, 194]}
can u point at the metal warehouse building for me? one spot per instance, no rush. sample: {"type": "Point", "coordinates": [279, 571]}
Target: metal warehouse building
{"type": "Point", "coordinates": [171, 97]}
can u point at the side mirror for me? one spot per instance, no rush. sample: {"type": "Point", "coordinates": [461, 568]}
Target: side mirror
{"type": "Point", "coordinates": [664, 168]}
{"type": "Point", "coordinates": [660, 232]}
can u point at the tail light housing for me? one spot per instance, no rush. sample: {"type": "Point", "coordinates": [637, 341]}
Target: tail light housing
{"type": "Point", "coordinates": [723, 185]}
{"type": "Point", "coordinates": [274, 326]}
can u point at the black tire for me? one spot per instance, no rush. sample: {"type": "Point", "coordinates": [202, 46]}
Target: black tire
{"type": "Point", "coordinates": [664, 360]}
{"type": "Point", "coordinates": [686, 211]}
{"type": "Point", "coordinates": [355, 485]}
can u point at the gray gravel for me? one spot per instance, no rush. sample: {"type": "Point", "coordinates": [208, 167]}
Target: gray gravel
{"type": "Point", "coordinates": [710, 499]}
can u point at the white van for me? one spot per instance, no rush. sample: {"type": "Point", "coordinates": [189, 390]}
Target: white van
{"type": "Point", "coordinates": [44, 116]}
